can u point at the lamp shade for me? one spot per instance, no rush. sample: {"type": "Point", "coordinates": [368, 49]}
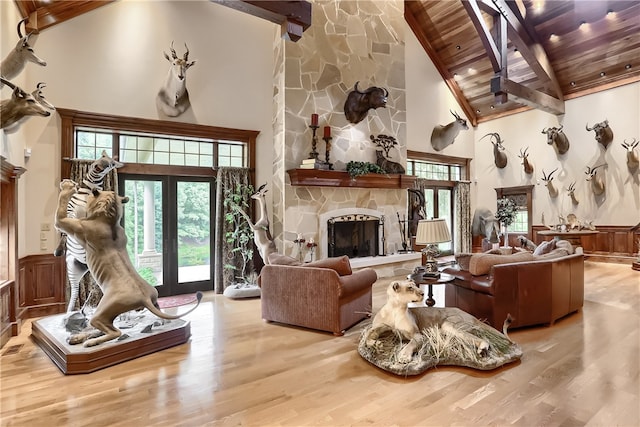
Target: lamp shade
{"type": "Point", "coordinates": [432, 231]}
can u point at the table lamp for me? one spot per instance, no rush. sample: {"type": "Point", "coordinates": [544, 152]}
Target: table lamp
{"type": "Point", "coordinates": [430, 232]}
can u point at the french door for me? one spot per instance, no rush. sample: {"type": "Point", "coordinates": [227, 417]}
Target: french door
{"type": "Point", "coordinates": [168, 226]}
{"type": "Point", "coordinates": [439, 204]}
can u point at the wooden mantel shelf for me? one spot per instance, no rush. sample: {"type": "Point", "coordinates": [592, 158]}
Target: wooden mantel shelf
{"type": "Point", "coordinates": [325, 178]}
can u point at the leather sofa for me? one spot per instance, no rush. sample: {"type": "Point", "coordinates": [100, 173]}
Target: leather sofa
{"type": "Point", "coordinates": [325, 295]}
{"type": "Point", "coordinates": [534, 292]}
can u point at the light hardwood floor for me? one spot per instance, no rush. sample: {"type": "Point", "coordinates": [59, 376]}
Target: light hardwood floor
{"type": "Point", "coordinates": [239, 370]}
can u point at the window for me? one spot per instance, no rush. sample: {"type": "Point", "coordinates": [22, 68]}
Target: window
{"type": "Point", "coordinates": [522, 196]}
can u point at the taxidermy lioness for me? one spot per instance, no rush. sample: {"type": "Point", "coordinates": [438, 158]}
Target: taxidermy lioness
{"type": "Point", "coordinates": [105, 241]}
{"type": "Point", "coordinates": [395, 314]}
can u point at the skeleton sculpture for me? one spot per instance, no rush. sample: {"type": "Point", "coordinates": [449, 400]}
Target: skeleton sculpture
{"type": "Point", "coordinates": [557, 138]}
{"type": "Point", "coordinates": [528, 167]}
{"type": "Point", "coordinates": [632, 154]}
{"type": "Point", "coordinates": [359, 103]}
{"type": "Point", "coordinates": [597, 184]}
{"type": "Point", "coordinates": [571, 191]}
{"type": "Point", "coordinates": [261, 234]}
{"type": "Point", "coordinates": [443, 136]}
{"type": "Point", "coordinates": [604, 134]}
{"type": "Point", "coordinates": [22, 105]}
{"type": "Point", "coordinates": [548, 179]}
{"type": "Point", "coordinates": [499, 156]}
{"type": "Point", "coordinates": [22, 53]}
{"type": "Point", "coordinates": [173, 97]}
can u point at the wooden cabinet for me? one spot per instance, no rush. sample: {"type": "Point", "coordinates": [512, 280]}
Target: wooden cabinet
{"type": "Point", "coordinates": [42, 286]}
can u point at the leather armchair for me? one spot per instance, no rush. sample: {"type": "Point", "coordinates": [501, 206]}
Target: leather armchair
{"type": "Point", "coordinates": [316, 297]}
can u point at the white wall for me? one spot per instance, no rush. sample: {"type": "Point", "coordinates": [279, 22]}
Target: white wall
{"type": "Point", "coordinates": [111, 61]}
{"type": "Point", "coordinates": [428, 104]}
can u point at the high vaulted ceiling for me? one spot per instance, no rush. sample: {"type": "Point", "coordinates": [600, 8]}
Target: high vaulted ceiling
{"type": "Point", "coordinates": [498, 57]}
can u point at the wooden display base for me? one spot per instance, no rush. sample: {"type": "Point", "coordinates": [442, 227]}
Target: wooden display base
{"type": "Point", "coordinates": [50, 335]}
{"type": "Point", "coordinates": [636, 265]}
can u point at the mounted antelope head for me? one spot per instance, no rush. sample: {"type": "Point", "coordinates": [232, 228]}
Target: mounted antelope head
{"type": "Point", "coordinates": [604, 134]}
{"type": "Point", "coordinates": [443, 136]}
{"type": "Point", "coordinates": [22, 53]}
{"type": "Point", "coordinates": [548, 179]}
{"type": "Point", "coordinates": [632, 155]}
{"type": "Point", "coordinates": [499, 156]}
{"type": "Point", "coordinates": [571, 191]}
{"type": "Point", "coordinates": [173, 97]}
{"type": "Point", "coordinates": [597, 184]}
{"type": "Point", "coordinates": [528, 167]}
{"type": "Point", "coordinates": [20, 106]}
{"type": "Point", "coordinates": [557, 138]}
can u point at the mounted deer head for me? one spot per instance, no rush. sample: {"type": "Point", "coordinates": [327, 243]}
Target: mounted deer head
{"type": "Point", "coordinates": [597, 184]}
{"type": "Point", "coordinates": [443, 136]}
{"type": "Point", "coordinates": [557, 138]}
{"type": "Point", "coordinates": [604, 134]}
{"type": "Point", "coordinates": [499, 156]}
{"type": "Point", "coordinates": [20, 106]}
{"type": "Point", "coordinates": [173, 97]}
{"type": "Point", "coordinates": [571, 191]}
{"type": "Point", "coordinates": [548, 179]}
{"type": "Point", "coordinates": [528, 167]}
{"type": "Point", "coordinates": [632, 155]}
{"type": "Point", "coordinates": [22, 53]}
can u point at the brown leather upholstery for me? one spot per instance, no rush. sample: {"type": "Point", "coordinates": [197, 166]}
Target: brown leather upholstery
{"type": "Point", "coordinates": [316, 298]}
{"type": "Point", "coordinates": [533, 292]}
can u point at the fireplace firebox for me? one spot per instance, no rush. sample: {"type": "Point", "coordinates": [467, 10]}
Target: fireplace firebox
{"type": "Point", "coordinates": [355, 236]}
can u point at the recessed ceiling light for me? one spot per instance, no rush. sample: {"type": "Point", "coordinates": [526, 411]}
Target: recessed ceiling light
{"type": "Point", "coordinates": [553, 37]}
{"type": "Point", "coordinates": [610, 12]}
{"type": "Point", "coordinates": [572, 83]}
{"type": "Point", "coordinates": [492, 107]}
{"type": "Point", "coordinates": [583, 24]}
{"type": "Point", "coordinates": [477, 111]}
{"type": "Point", "coordinates": [628, 66]}
{"type": "Point", "coordinates": [458, 47]}
{"type": "Point", "coordinates": [602, 74]}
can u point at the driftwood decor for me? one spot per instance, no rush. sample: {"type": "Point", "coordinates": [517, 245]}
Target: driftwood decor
{"type": "Point", "coordinates": [359, 103]}
{"type": "Point", "coordinates": [443, 136]}
{"type": "Point", "coordinates": [557, 138]}
{"type": "Point", "coordinates": [22, 53]}
{"type": "Point", "coordinates": [173, 97]}
{"type": "Point", "coordinates": [604, 134]}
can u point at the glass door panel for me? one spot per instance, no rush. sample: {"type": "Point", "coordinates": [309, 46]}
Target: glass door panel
{"type": "Point", "coordinates": [444, 211]}
{"type": "Point", "coordinates": [194, 231]}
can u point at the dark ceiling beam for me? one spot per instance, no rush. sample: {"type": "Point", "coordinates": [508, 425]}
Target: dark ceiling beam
{"type": "Point", "coordinates": [508, 20]}
{"type": "Point", "coordinates": [293, 16]}
{"type": "Point", "coordinates": [45, 15]}
{"type": "Point", "coordinates": [447, 76]}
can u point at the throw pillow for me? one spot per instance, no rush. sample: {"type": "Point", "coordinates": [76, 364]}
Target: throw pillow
{"type": "Point", "coordinates": [341, 264]}
{"type": "Point", "coordinates": [481, 263]}
{"type": "Point", "coordinates": [279, 259]}
{"type": "Point", "coordinates": [565, 245]}
{"type": "Point", "coordinates": [556, 253]}
{"type": "Point", "coordinates": [545, 247]}
{"type": "Point", "coordinates": [462, 259]}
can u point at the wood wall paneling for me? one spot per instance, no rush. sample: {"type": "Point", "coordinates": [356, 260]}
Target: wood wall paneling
{"type": "Point", "coordinates": [42, 286]}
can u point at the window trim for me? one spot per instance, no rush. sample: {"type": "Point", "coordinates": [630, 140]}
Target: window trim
{"type": "Point", "coordinates": [463, 162]}
{"type": "Point", "coordinates": [74, 118]}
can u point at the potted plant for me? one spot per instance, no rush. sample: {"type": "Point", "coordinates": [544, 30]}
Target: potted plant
{"type": "Point", "coordinates": [240, 237]}
{"type": "Point", "coordinates": [506, 214]}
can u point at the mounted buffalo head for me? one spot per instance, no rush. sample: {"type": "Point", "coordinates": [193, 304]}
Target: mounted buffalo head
{"type": "Point", "coordinates": [358, 103]}
{"type": "Point", "coordinates": [557, 138]}
{"type": "Point", "coordinates": [604, 134]}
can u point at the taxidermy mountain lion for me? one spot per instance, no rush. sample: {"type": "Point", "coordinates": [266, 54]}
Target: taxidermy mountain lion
{"type": "Point", "coordinates": [105, 242]}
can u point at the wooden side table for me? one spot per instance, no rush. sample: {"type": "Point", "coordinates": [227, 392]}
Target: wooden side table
{"type": "Point", "coordinates": [430, 281]}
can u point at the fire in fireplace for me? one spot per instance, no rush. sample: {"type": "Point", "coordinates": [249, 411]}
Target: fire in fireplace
{"type": "Point", "coordinates": [355, 235]}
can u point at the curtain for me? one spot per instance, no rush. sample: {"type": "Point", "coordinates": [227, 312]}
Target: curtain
{"type": "Point", "coordinates": [462, 219]}
{"type": "Point", "coordinates": [89, 293]}
{"type": "Point", "coordinates": [227, 179]}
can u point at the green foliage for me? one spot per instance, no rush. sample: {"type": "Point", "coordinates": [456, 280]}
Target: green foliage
{"type": "Point", "coordinates": [506, 212]}
{"type": "Point", "coordinates": [147, 274]}
{"type": "Point", "coordinates": [241, 234]}
{"type": "Point", "coordinates": [193, 211]}
{"type": "Point", "coordinates": [355, 169]}
{"type": "Point", "coordinates": [191, 255]}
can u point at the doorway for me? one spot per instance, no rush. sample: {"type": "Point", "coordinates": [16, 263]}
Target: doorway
{"type": "Point", "coordinates": [168, 225]}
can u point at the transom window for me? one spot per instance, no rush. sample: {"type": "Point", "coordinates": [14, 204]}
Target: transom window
{"type": "Point", "coordinates": [434, 171]}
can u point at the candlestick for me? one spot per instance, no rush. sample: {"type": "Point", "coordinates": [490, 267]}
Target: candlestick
{"type": "Point", "coordinates": [314, 120]}
{"type": "Point", "coordinates": [327, 132]}
{"type": "Point", "coordinates": [327, 140]}
{"type": "Point", "coordinates": [314, 142]}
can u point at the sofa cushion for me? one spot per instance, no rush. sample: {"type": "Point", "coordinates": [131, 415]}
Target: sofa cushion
{"type": "Point", "coordinates": [462, 259]}
{"type": "Point", "coordinates": [564, 244]}
{"type": "Point", "coordinates": [340, 265]}
{"type": "Point", "coordinates": [556, 253]}
{"type": "Point", "coordinates": [482, 263]}
{"type": "Point", "coordinates": [545, 247]}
